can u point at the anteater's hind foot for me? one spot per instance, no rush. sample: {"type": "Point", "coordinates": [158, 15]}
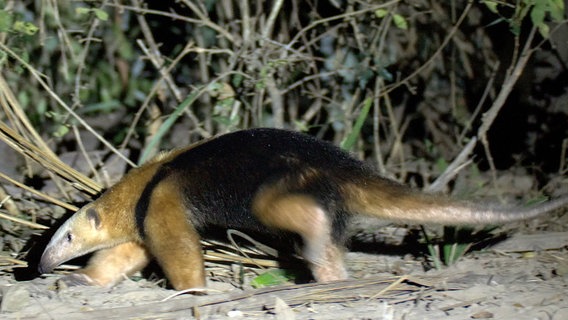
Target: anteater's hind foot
{"type": "Point", "coordinates": [330, 267]}
{"type": "Point", "coordinates": [302, 215]}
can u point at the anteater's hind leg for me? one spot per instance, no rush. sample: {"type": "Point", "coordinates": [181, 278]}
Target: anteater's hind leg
{"type": "Point", "coordinates": [301, 214]}
{"type": "Point", "coordinates": [109, 266]}
{"type": "Point", "coordinates": [172, 239]}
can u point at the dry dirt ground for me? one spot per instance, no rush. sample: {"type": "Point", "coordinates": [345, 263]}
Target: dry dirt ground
{"type": "Point", "coordinates": [523, 277]}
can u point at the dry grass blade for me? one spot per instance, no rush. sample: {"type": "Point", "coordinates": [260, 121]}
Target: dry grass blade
{"type": "Point", "coordinates": [22, 221]}
{"type": "Point", "coordinates": [256, 255]}
{"type": "Point", "coordinates": [39, 194]}
{"type": "Point", "coordinates": [9, 263]}
{"type": "Point", "coordinates": [29, 143]}
{"type": "Point", "coordinates": [259, 299]}
{"type": "Point", "coordinates": [47, 160]}
{"type": "Point", "coordinates": [219, 257]}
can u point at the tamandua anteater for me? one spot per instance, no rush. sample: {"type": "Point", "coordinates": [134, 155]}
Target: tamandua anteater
{"type": "Point", "coordinates": [266, 181]}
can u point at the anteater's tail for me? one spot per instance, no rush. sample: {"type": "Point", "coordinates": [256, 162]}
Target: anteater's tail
{"type": "Point", "coordinates": [391, 201]}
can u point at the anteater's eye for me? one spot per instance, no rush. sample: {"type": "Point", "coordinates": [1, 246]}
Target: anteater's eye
{"type": "Point", "coordinates": [69, 237]}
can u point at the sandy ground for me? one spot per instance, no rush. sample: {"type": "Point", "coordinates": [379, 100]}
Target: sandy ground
{"type": "Point", "coordinates": [490, 284]}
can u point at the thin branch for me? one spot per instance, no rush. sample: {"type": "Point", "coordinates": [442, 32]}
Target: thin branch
{"type": "Point", "coordinates": [436, 53]}
{"type": "Point", "coordinates": [226, 34]}
{"type": "Point", "coordinates": [454, 168]}
{"type": "Point", "coordinates": [155, 55]}
{"type": "Point", "coordinates": [271, 19]}
{"type": "Point", "coordinates": [489, 116]}
{"type": "Point", "coordinates": [150, 96]}
{"type": "Point", "coordinates": [82, 57]}
{"type": "Point", "coordinates": [338, 17]}
{"type": "Point", "coordinates": [40, 78]}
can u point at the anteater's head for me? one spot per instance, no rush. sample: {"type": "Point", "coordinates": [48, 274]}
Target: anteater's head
{"type": "Point", "coordinates": [81, 234]}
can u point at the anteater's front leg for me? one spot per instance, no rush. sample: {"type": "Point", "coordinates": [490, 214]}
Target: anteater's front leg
{"type": "Point", "coordinates": [109, 266]}
{"type": "Point", "coordinates": [172, 239]}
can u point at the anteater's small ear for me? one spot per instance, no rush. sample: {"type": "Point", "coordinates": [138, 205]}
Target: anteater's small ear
{"type": "Point", "coordinates": [94, 218]}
